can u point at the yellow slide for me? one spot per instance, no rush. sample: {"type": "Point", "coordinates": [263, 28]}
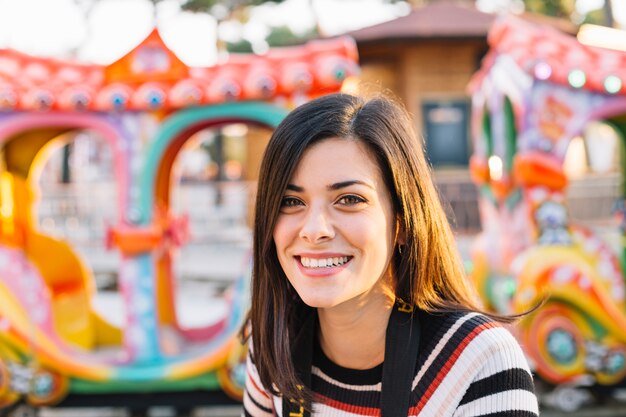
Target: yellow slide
{"type": "Point", "coordinates": [70, 283]}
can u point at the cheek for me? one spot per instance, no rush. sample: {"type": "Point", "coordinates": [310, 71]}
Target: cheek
{"type": "Point", "coordinates": [373, 235]}
{"type": "Point", "coordinates": [283, 234]}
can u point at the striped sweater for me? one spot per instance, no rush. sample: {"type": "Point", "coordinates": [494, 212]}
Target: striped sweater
{"type": "Point", "coordinates": [468, 365]}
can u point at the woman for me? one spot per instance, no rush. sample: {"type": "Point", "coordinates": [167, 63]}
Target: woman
{"type": "Point", "coordinates": [359, 301]}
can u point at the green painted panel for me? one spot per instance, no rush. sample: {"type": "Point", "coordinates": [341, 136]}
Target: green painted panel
{"type": "Point", "coordinates": [203, 382]}
{"type": "Point", "coordinates": [487, 133]}
{"type": "Point", "coordinates": [253, 112]}
{"type": "Point", "coordinates": [510, 134]}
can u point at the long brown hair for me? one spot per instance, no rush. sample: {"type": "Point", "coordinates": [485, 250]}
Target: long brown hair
{"type": "Point", "coordinates": [429, 271]}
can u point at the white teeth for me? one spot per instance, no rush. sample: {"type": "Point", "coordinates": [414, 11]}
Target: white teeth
{"type": "Point", "coordinates": [323, 263]}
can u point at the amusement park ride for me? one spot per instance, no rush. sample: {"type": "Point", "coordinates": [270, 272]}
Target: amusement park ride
{"type": "Point", "coordinates": [537, 90]}
{"type": "Point", "coordinates": [55, 349]}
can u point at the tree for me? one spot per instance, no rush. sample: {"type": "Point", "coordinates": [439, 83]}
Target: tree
{"type": "Point", "coordinates": [221, 10]}
{"type": "Point", "coordinates": [556, 8]}
{"type": "Point", "coordinates": [567, 9]}
{"type": "Point", "coordinates": [237, 9]}
{"type": "Point", "coordinates": [209, 6]}
{"type": "Point", "coordinates": [283, 36]}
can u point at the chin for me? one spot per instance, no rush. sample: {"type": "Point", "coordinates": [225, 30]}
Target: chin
{"type": "Point", "coordinates": [320, 302]}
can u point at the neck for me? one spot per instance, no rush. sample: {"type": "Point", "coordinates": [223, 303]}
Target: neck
{"type": "Point", "coordinates": [352, 335]}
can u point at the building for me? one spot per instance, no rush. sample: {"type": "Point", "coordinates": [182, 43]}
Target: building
{"type": "Point", "coordinates": [427, 59]}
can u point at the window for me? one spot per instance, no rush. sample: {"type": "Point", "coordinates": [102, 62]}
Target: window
{"type": "Point", "coordinates": [446, 132]}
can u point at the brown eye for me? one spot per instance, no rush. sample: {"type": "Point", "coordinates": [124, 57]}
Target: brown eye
{"type": "Point", "coordinates": [351, 200]}
{"type": "Point", "coordinates": [288, 202]}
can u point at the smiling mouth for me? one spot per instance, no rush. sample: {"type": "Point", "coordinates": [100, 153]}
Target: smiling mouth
{"type": "Point", "coordinates": [324, 262]}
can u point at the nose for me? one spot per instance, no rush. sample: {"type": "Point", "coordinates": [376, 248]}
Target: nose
{"type": "Point", "coordinates": [317, 226]}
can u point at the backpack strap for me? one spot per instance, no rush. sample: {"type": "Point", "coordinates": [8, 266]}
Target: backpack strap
{"type": "Point", "coordinates": [302, 359]}
{"type": "Point", "coordinates": [401, 352]}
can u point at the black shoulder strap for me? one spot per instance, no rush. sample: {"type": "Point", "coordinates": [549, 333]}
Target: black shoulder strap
{"type": "Point", "coordinates": [401, 351]}
{"type": "Point", "coordinates": [302, 357]}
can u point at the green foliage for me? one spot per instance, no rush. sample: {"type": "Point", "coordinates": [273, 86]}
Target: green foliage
{"type": "Point", "coordinates": [557, 8]}
{"type": "Point", "coordinates": [278, 36]}
{"type": "Point", "coordinates": [241, 47]}
{"type": "Point", "coordinates": [206, 6]}
{"type": "Point", "coordinates": [596, 17]}
{"type": "Point", "coordinates": [283, 36]}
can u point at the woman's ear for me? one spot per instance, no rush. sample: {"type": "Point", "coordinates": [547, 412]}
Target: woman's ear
{"type": "Point", "coordinates": [400, 231]}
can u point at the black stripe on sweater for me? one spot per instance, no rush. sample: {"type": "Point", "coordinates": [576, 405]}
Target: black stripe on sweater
{"type": "Point", "coordinates": [347, 376]}
{"type": "Point", "coordinates": [511, 413]}
{"type": "Point", "coordinates": [255, 402]}
{"type": "Point", "coordinates": [334, 392]}
{"type": "Point", "coordinates": [507, 380]}
{"type": "Point", "coordinates": [451, 345]}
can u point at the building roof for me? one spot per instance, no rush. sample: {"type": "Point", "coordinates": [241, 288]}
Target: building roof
{"type": "Point", "coordinates": [442, 19]}
{"type": "Point", "coordinates": [447, 19]}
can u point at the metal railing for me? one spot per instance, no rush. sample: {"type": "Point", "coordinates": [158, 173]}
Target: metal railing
{"type": "Point", "coordinates": [220, 235]}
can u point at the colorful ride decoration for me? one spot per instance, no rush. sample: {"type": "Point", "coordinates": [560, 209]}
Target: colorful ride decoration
{"type": "Point", "coordinates": [536, 90]}
{"type": "Point", "coordinates": [53, 344]}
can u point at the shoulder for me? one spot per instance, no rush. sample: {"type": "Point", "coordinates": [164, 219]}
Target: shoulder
{"type": "Point", "coordinates": [471, 336]}
{"type": "Point", "coordinates": [257, 401]}
{"type": "Point", "coordinates": [467, 357]}
{"type": "Point", "coordinates": [463, 327]}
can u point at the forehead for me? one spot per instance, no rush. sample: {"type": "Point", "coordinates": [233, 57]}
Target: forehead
{"type": "Point", "coordinates": [338, 158]}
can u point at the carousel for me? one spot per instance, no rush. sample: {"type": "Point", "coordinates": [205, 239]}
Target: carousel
{"type": "Point", "coordinates": [537, 90]}
{"type": "Point", "coordinates": [55, 348]}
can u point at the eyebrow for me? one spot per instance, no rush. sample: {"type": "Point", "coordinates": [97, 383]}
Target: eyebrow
{"type": "Point", "coordinates": [296, 188]}
{"type": "Point", "coordinates": [332, 187]}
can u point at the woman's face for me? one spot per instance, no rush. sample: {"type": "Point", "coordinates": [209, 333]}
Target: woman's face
{"type": "Point", "coordinates": [336, 229]}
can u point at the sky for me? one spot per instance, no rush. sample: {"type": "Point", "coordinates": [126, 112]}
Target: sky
{"type": "Point", "coordinates": [59, 28]}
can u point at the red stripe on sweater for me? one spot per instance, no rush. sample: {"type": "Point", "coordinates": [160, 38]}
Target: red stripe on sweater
{"type": "Point", "coordinates": [416, 409]}
{"type": "Point", "coordinates": [259, 390]}
{"type": "Point", "coordinates": [350, 408]}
